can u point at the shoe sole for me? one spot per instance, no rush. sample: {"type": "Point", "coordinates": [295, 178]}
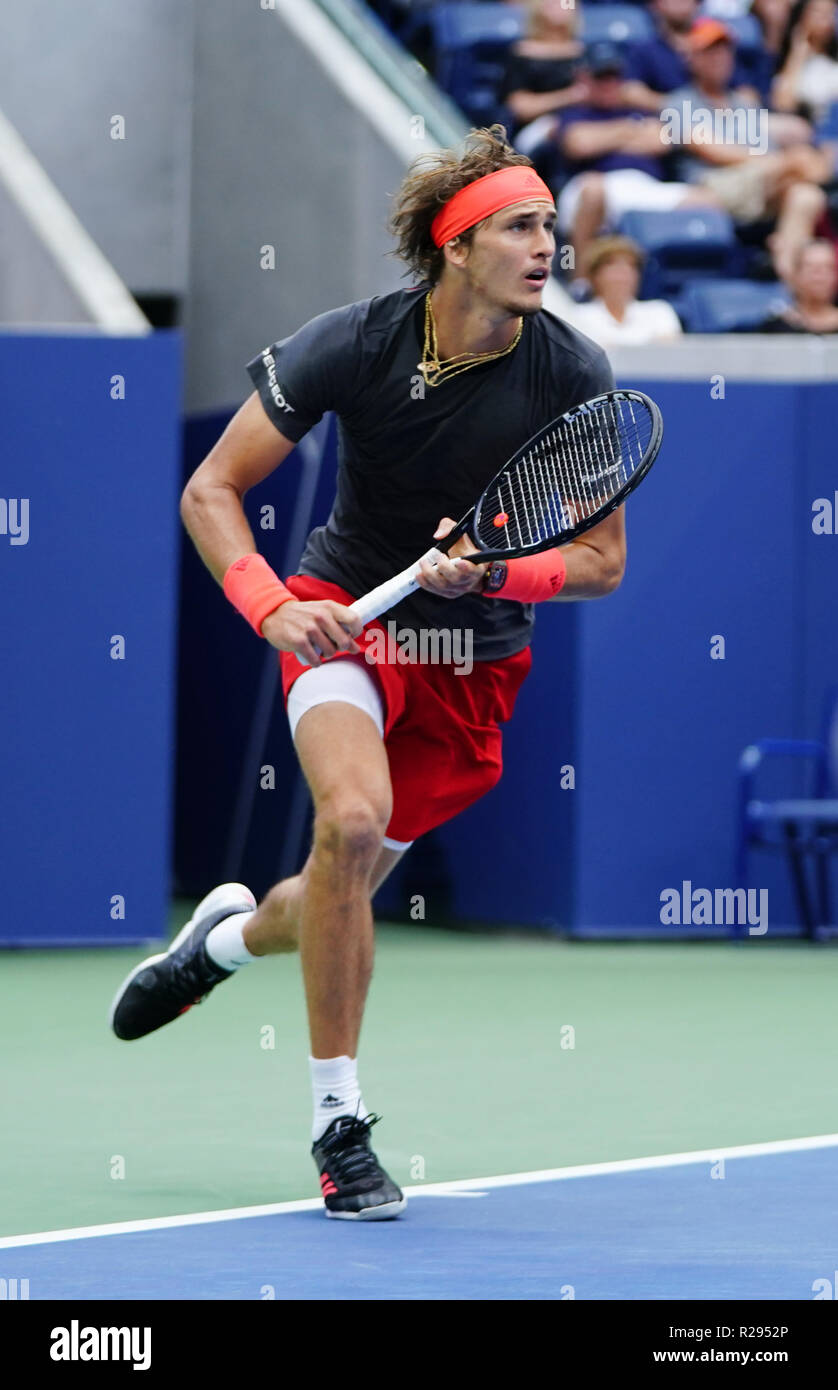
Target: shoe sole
{"type": "Point", "coordinates": [385, 1212]}
{"type": "Point", "coordinates": [232, 892]}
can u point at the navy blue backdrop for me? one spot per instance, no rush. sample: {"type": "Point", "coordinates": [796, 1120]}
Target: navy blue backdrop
{"type": "Point", "coordinates": [87, 746]}
{"type": "Point", "coordinates": [625, 690]}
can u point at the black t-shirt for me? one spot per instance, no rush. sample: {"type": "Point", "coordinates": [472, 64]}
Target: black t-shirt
{"type": "Point", "coordinates": [778, 323]}
{"type": "Point", "coordinates": [530, 74]}
{"type": "Point", "coordinates": [409, 454]}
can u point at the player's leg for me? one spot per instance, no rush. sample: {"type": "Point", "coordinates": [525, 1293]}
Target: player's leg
{"type": "Point", "coordinates": [344, 761]}
{"type": "Point", "coordinates": [212, 946]}
{"type": "Point", "coordinates": [342, 754]}
{"type": "Point", "coordinates": [274, 928]}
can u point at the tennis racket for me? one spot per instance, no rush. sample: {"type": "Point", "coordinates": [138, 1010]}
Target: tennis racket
{"type": "Point", "coordinates": [567, 478]}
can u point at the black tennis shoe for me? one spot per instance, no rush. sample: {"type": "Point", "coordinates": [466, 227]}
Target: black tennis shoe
{"type": "Point", "coordinates": [163, 987]}
{"type": "Point", "coordinates": [354, 1185]}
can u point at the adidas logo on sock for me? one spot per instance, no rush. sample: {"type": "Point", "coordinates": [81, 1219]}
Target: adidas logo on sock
{"type": "Point", "coordinates": [330, 1101]}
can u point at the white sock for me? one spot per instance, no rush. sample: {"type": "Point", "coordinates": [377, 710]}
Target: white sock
{"type": "Point", "coordinates": [225, 943]}
{"type": "Point", "coordinates": [334, 1085]}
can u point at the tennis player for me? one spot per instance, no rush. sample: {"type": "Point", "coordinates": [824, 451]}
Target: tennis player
{"type": "Point", "coordinates": [435, 387]}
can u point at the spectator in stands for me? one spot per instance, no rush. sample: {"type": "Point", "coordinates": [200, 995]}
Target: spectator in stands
{"type": "Point", "coordinates": [615, 315]}
{"type": "Point", "coordinates": [615, 155]}
{"type": "Point", "coordinates": [542, 74]}
{"type": "Point", "coordinates": [659, 65]}
{"type": "Point", "coordinates": [808, 77]}
{"type": "Point", "coordinates": [736, 156]}
{"type": "Point", "coordinates": [773, 16]}
{"type": "Point", "coordinates": [813, 282]}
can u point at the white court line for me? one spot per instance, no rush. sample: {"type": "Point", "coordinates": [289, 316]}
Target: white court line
{"type": "Point", "coordinates": [464, 1186]}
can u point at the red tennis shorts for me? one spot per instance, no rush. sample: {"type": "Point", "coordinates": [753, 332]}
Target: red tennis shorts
{"type": "Point", "coordinates": [440, 730]}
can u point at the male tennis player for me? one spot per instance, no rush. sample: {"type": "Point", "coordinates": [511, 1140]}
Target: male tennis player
{"type": "Point", "coordinates": [434, 388]}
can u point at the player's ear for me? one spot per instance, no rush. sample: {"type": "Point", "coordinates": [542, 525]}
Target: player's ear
{"type": "Point", "coordinates": [456, 251]}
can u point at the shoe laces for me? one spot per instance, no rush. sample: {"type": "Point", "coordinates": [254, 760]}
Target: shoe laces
{"type": "Point", "coordinates": [350, 1156]}
{"type": "Point", "coordinates": [187, 978]}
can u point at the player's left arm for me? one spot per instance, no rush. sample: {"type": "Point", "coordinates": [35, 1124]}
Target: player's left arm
{"type": "Point", "coordinates": [596, 562]}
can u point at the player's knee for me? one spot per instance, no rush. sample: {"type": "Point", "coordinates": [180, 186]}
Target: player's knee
{"type": "Point", "coordinates": [350, 828]}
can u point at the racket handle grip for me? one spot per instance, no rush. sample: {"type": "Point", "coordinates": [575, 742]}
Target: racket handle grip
{"type": "Point", "coordinates": [386, 595]}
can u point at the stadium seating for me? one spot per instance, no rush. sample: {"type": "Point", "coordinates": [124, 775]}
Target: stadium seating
{"type": "Point", "coordinates": [621, 24]}
{"type": "Point", "coordinates": [682, 245]}
{"type": "Point", "coordinates": [802, 827]}
{"type": "Point", "coordinates": [747, 31]}
{"type": "Point", "coordinates": [725, 306]}
{"type": "Point", "coordinates": [471, 43]}
{"type": "Point", "coordinates": [827, 127]}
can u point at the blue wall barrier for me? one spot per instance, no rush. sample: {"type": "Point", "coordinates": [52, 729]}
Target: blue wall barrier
{"type": "Point", "coordinates": [86, 754]}
{"type": "Point", "coordinates": [624, 690]}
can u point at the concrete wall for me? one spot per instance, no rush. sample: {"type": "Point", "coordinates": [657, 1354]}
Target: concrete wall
{"type": "Point", "coordinates": [280, 158]}
{"type": "Point", "coordinates": [32, 286]}
{"type": "Point", "coordinates": [65, 70]}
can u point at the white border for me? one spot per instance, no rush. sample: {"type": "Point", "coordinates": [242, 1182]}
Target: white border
{"type": "Point", "coordinates": [466, 1187]}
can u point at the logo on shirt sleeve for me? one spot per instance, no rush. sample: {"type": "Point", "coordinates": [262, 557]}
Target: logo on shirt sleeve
{"type": "Point", "coordinates": [273, 385]}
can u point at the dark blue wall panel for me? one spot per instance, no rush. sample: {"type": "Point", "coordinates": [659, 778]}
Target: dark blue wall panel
{"type": "Point", "coordinates": [624, 689]}
{"type": "Point", "coordinates": [86, 755]}
{"type": "Point", "coordinates": [720, 545]}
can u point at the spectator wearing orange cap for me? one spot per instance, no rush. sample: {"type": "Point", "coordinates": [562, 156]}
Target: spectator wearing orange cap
{"type": "Point", "coordinates": [661, 64]}
{"type": "Point", "coordinates": [758, 165]}
{"type": "Point", "coordinates": [615, 156]}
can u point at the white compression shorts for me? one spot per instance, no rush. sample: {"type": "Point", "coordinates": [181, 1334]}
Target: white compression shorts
{"type": "Point", "coordinates": [351, 683]}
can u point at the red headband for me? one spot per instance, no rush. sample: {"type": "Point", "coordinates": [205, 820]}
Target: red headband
{"type": "Point", "coordinates": [480, 199]}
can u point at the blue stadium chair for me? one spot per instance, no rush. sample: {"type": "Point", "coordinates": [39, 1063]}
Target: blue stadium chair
{"type": "Point", "coordinates": [471, 42]}
{"type": "Point", "coordinates": [682, 245]}
{"type": "Point", "coordinates": [725, 306]}
{"type": "Point", "coordinates": [827, 127]}
{"type": "Point", "coordinates": [802, 827]}
{"type": "Point", "coordinates": [622, 24]}
{"type": "Point", "coordinates": [747, 31]}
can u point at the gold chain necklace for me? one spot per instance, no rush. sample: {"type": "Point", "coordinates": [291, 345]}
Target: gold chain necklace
{"type": "Point", "coordinates": [435, 371]}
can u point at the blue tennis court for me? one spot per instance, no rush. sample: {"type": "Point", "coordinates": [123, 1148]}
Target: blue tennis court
{"type": "Point", "coordinates": [755, 1223]}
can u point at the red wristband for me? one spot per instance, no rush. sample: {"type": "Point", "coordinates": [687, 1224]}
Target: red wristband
{"type": "Point", "coordinates": [252, 587]}
{"type": "Point", "coordinates": [533, 578]}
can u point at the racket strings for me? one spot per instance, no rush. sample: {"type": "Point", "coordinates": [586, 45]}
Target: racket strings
{"type": "Point", "coordinates": [566, 475]}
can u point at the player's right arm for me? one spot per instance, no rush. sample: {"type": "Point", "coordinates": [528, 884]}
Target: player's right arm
{"type": "Point", "coordinates": [248, 451]}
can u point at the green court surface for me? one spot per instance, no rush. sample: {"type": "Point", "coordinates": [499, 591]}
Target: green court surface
{"type": "Point", "coordinates": [465, 1054]}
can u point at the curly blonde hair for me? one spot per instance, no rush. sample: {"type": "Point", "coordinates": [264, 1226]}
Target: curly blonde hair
{"type": "Point", "coordinates": [430, 182]}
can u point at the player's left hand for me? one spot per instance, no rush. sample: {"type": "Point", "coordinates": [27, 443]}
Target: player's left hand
{"type": "Point", "coordinates": [451, 577]}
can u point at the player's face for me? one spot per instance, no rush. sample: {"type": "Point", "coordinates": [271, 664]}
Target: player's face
{"type": "Point", "coordinates": [510, 256]}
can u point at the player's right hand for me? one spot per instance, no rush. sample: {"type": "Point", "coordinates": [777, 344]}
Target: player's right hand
{"type": "Point", "coordinates": [314, 630]}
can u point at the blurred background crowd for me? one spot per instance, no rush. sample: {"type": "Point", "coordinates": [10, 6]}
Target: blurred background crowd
{"type": "Point", "coordinates": [692, 148]}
